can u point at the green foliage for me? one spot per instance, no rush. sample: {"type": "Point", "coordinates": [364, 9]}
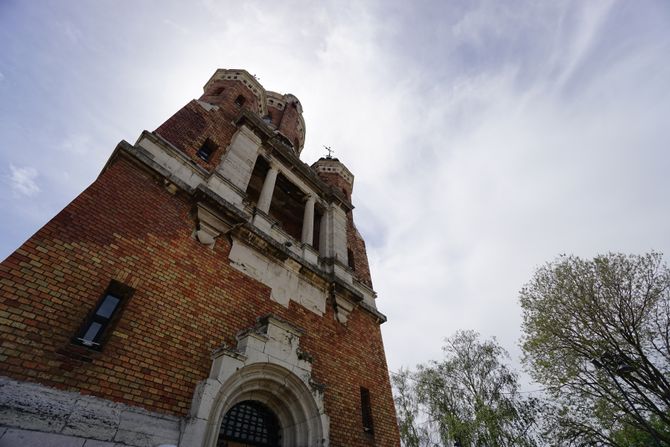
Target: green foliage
{"type": "Point", "coordinates": [413, 432]}
{"type": "Point", "coordinates": [630, 436]}
{"type": "Point", "coordinates": [471, 397]}
{"type": "Point", "coordinates": [597, 335]}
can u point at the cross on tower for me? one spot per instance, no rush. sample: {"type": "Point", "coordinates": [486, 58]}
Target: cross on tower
{"type": "Point", "coordinates": [330, 152]}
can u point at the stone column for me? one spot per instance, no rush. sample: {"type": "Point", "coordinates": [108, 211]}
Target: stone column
{"type": "Point", "coordinates": [308, 221]}
{"type": "Point", "coordinates": [268, 189]}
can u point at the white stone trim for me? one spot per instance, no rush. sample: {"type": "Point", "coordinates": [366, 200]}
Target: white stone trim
{"type": "Point", "coordinates": [267, 366]}
{"type": "Point", "coordinates": [334, 166]}
{"type": "Point", "coordinates": [339, 234]}
{"type": "Point", "coordinates": [239, 158]}
{"type": "Point", "coordinates": [207, 106]}
{"type": "Point", "coordinates": [285, 280]}
{"type": "Point", "coordinates": [209, 225]}
{"type": "Point", "coordinates": [245, 78]}
{"type": "Point", "coordinates": [51, 415]}
{"type": "Point", "coordinates": [343, 309]}
{"type": "Point", "coordinates": [308, 220]}
{"type": "Point", "coordinates": [173, 161]}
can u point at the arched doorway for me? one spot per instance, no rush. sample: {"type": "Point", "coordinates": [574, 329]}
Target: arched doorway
{"type": "Point", "coordinates": [278, 390]}
{"type": "Point", "coordinates": [249, 424]}
{"type": "Point", "coordinates": [264, 370]}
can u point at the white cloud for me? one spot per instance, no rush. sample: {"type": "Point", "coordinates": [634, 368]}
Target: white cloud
{"type": "Point", "coordinates": [22, 180]}
{"type": "Point", "coordinates": [70, 31]}
{"type": "Point", "coordinates": [76, 144]}
{"type": "Point", "coordinates": [580, 43]}
{"type": "Point", "coordinates": [484, 141]}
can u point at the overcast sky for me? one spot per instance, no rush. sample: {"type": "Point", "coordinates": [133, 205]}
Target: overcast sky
{"type": "Point", "coordinates": [486, 137]}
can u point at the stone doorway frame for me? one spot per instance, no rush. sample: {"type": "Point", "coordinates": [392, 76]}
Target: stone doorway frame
{"type": "Point", "coordinates": [267, 367]}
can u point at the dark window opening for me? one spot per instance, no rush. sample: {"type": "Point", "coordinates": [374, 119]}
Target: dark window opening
{"type": "Point", "coordinates": [366, 410]}
{"type": "Point", "coordinates": [100, 322]}
{"type": "Point", "coordinates": [288, 201]}
{"type": "Point", "coordinates": [288, 206]}
{"type": "Point", "coordinates": [207, 149]}
{"type": "Point", "coordinates": [240, 100]}
{"type": "Point", "coordinates": [318, 215]}
{"type": "Point", "coordinates": [258, 175]}
{"type": "Point", "coordinates": [218, 91]}
{"type": "Point", "coordinates": [249, 423]}
{"type": "Point", "coordinates": [350, 259]}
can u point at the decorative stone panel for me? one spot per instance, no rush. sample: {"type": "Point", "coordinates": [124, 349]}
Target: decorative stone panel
{"type": "Point", "coordinates": [267, 366]}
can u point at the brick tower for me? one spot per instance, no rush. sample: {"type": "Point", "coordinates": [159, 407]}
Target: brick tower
{"type": "Point", "coordinates": [208, 289]}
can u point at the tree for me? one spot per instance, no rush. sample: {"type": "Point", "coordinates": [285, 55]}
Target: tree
{"type": "Point", "coordinates": [597, 335]}
{"type": "Point", "coordinates": [412, 420]}
{"type": "Point", "coordinates": [471, 398]}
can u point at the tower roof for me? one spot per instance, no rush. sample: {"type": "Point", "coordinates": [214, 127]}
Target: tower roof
{"type": "Point", "coordinates": [288, 123]}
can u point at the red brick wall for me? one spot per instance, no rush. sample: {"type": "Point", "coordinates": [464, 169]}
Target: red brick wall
{"type": "Point", "coordinates": [226, 99]}
{"type": "Point", "coordinates": [276, 114]}
{"type": "Point", "coordinates": [356, 244]}
{"type": "Point", "coordinates": [286, 120]}
{"type": "Point", "coordinates": [337, 181]}
{"type": "Point", "coordinates": [289, 124]}
{"type": "Point", "coordinates": [188, 300]}
{"type": "Point", "coordinates": [188, 129]}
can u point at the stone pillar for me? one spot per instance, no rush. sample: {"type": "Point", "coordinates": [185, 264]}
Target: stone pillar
{"type": "Point", "coordinates": [308, 221]}
{"type": "Point", "coordinates": [324, 232]}
{"type": "Point", "coordinates": [339, 234]}
{"type": "Point", "coordinates": [268, 189]}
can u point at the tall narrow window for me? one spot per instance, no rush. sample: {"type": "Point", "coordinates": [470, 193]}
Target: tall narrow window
{"type": "Point", "coordinates": [240, 100]}
{"type": "Point", "coordinates": [98, 325]}
{"type": "Point", "coordinates": [366, 410]}
{"type": "Point", "coordinates": [207, 149]}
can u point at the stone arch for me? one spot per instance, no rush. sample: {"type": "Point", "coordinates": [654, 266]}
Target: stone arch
{"type": "Point", "coordinates": [282, 392]}
{"type": "Point", "coordinates": [267, 367]}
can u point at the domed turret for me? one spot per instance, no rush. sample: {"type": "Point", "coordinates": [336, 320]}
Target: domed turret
{"type": "Point", "coordinates": [232, 90]}
{"type": "Point", "coordinates": [334, 173]}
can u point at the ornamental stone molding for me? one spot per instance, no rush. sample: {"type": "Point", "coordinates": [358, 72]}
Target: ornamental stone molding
{"type": "Point", "coordinates": [268, 367]}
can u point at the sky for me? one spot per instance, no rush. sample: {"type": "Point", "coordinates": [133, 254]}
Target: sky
{"type": "Point", "coordinates": [486, 137]}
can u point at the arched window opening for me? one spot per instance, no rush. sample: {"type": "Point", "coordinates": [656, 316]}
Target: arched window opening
{"type": "Point", "coordinates": [240, 100]}
{"type": "Point", "coordinates": [249, 424]}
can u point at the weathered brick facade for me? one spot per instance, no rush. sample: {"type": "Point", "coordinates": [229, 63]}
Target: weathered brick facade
{"type": "Point", "coordinates": [141, 223]}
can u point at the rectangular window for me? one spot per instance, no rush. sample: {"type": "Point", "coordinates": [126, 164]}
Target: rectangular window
{"type": "Point", "coordinates": [99, 323]}
{"type": "Point", "coordinates": [366, 410]}
{"type": "Point", "coordinates": [207, 149]}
